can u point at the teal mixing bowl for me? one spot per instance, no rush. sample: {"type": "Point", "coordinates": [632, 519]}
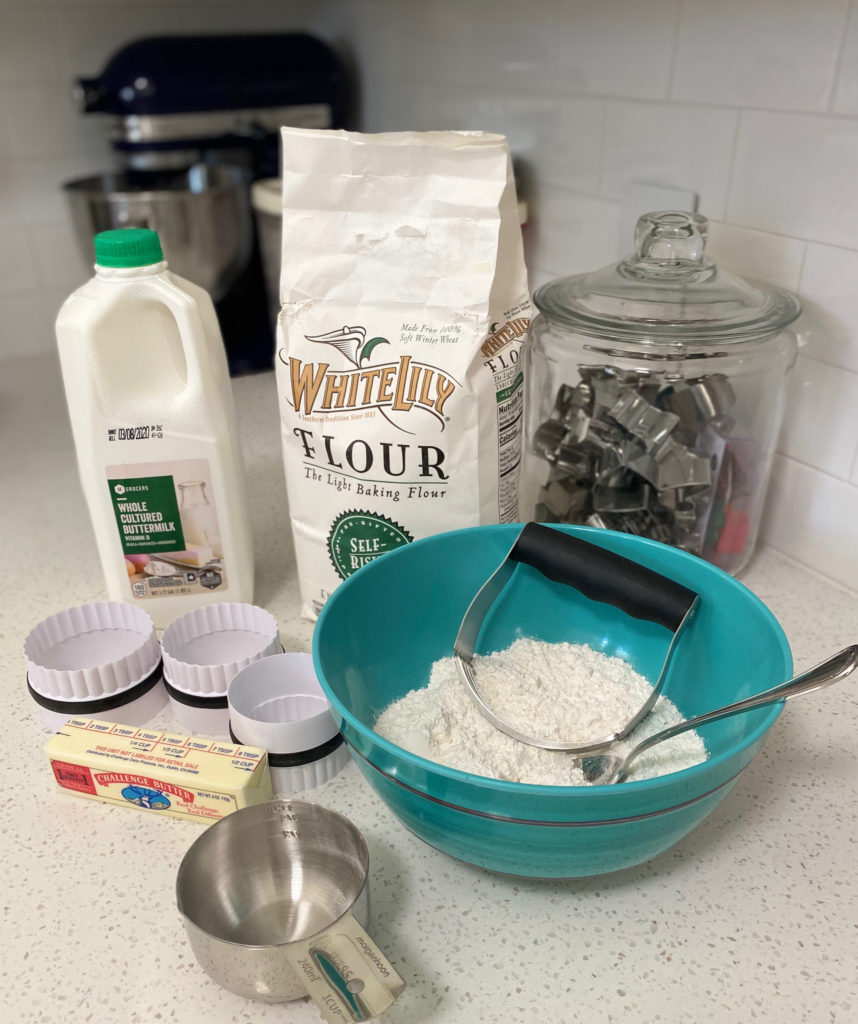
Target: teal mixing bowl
{"type": "Point", "coordinates": [381, 630]}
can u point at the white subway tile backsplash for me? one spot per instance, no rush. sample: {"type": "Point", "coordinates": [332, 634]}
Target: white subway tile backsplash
{"type": "Point", "coordinates": [829, 291]}
{"type": "Point", "coordinates": [796, 175]}
{"type": "Point", "coordinates": [28, 322]}
{"type": "Point", "coordinates": [772, 259]}
{"type": "Point", "coordinates": [31, 190]}
{"type": "Point", "coordinates": [427, 107]}
{"type": "Point", "coordinates": [383, 105]}
{"type": "Point", "coordinates": [379, 40]}
{"type": "Point", "coordinates": [43, 121]}
{"type": "Point", "coordinates": [29, 45]}
{"type": "Point", "coordinates": [615, 47]}
{"type": "Point", "coordinates": [5, 142]}
{"type": "Point", "coordinates": [777, 54]}
{"type": "Point", "coordinates": [18, 267]}
{"type": "Point", "coordinates": [216, 17]}
{"type": "Point", "coordinates": [537, 276]}
{"type": "Point", "coordinates": [572, 155]}
{"type": "Point", "coordinates": [821, 424]}
{"type": "Point", "coordinates": [530, 124]}
{"type": "Point", "coordinates": [59, 258]}
{"type": "Point", "coordinates": [813, 518]}
{"type": "Point", "coordinates": [90, 33]}
{"type": "Point", "coordinates": [686, 147]}
{"type": "Point", "coordinates": [507, 45]}
{"type": "Point", "coordinates": [248, 17]}
{"type": "Point", "coordinates": [527, 120]}
{"type": "Point", "coordinates": [571, 234]}
{"type": "Point", "coordinates": [433, 41]}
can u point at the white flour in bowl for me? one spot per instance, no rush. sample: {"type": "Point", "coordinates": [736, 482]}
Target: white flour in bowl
{"type": "Point", "coordinates": [560, 691]}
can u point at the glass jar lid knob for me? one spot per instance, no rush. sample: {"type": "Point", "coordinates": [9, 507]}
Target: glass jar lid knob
{"type": "Point", "coordinates": [669, 244]}
{"type": "Point", "coordinates": [671, 236]}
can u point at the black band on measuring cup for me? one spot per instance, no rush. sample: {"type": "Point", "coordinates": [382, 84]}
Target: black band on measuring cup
{"type": "Point", "coordinates": [603, 575]}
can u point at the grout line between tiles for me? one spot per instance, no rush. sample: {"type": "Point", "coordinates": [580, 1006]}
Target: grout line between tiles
{"type": "Point", "coordinates": [554, 51]}
{"type": "Point", "coordinates": [816, 573]}
{"type": "Point", "coordinates": [558, 93]}
{"type": "Point", "coordinates": [802, 261]}
{"type": "Point", "coordinates": [602, 170]}
{"type": "Point", "coordinates": [838, 61]}
{"type": "Point", "coordinates": [677, 23]}
{"type": "Point", "coordinates": [731, 173]}
{"type": "Point", "coordinates": [816, 469]}
{"type": "Point", "coordinates": [801, 354]}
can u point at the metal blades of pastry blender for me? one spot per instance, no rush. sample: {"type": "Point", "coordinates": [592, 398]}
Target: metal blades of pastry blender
{"type": "Point", "coordinates": [599, 575]}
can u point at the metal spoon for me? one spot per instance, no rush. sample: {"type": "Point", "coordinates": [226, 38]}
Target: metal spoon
{"type": "Point", "coordinates": [604, 768]}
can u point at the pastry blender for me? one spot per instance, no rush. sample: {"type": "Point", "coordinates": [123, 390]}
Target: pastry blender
{"type": "Point", "coordinates": [598, 574]}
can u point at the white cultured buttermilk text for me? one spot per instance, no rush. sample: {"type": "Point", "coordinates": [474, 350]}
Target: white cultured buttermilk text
{"type": "Point", "coordinates": [404, 307]}
{"type": "Point", "coordinates": [151, 409]}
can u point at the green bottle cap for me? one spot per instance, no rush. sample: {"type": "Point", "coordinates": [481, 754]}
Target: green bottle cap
{"type": "Point", "coordinates": [128, 247]}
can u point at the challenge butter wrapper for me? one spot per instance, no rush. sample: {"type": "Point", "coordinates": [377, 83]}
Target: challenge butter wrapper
{"type": "Point", "coordinates": [161, 772]}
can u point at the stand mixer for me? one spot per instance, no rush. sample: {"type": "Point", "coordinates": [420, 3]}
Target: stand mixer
{"type": "Point", "coordinates": [193, 121]}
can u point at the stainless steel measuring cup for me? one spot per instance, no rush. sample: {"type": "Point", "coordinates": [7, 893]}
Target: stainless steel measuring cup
{"type": "Point", "coordinates": [275, 900]}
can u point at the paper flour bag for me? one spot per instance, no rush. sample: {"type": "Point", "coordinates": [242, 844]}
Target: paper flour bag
{"type": "Point", "coordinates": [404, 307]}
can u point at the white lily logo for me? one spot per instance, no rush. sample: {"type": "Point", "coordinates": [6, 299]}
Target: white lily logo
{"type": "Point", "coordinates": [351, 341]}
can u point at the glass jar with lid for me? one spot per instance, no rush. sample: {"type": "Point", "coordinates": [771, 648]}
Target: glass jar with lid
{"type": "Point", "coordinates": [656, 391]}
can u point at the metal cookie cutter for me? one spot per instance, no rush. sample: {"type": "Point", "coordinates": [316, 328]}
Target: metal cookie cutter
{"type": "Point", "coordinates": [599, 575]}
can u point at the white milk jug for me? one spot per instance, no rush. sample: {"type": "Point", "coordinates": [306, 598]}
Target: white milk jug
{"type": "Point", "coordinates": [151, 410]}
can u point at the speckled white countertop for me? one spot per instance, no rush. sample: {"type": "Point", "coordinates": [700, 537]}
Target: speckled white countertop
{"type": "Point", "coordinates": [753, 917]}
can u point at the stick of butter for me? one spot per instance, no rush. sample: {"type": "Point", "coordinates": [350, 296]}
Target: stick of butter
{"type": "Point", "coordinates": [183, 776]}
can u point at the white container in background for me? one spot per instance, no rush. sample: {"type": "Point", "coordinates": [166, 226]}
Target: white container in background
{"type": "Point", "coordinates": [151, 410]}
{"type": "Point", "coordinates": [266, 197]}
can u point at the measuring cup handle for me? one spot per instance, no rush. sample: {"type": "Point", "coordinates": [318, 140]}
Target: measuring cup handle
{"type": "Point", "coordinates": [346, 974]}
{"type": "Point", "coordinates": [604, 575]}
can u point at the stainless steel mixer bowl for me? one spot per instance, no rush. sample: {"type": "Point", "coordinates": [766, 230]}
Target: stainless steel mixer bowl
{"type": "Point", "coordinates": [202, 216]}
{"type": "Point", "coordinates": [261, 878]}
